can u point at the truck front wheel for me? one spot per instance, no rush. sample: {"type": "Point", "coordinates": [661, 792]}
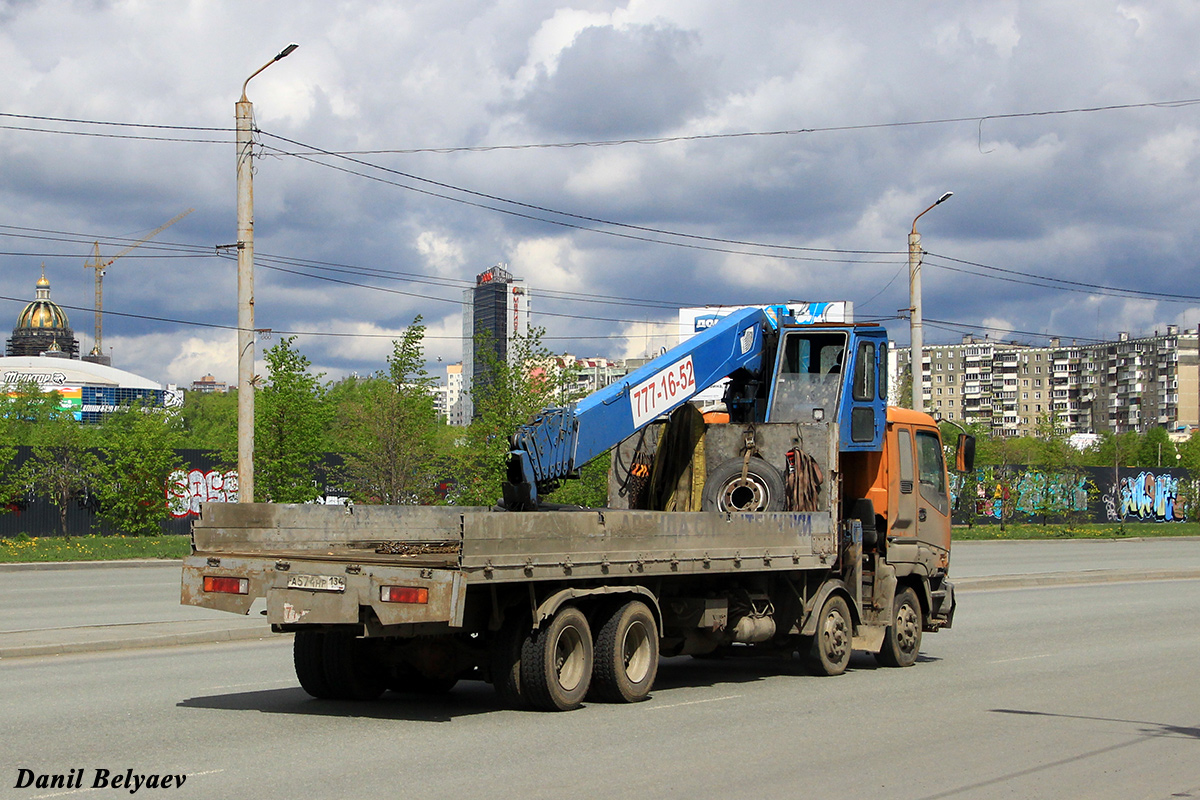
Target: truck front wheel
{"type": "Point", "coordinates": [831, 646]}
{"type": "Point", "coordinates": [902, 641]}
{"type": "Point", "coordinates": [626, 655]}
{"type": "Point", "coordinates": [556, 662]}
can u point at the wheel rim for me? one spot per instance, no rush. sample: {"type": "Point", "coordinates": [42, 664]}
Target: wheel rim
{"type": "Point", "coordinates": [834, 638]}
{"type": "Point", "coordinates": [753, 495]}
{"type": "Point", "coordinates": [907, 626]}
{"type": "Point", "coordinates": [570, 661]}
{"type": "Point", "coordinates": [636, 652]}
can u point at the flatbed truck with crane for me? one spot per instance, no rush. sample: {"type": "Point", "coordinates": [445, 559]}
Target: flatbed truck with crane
{"type": "Point", "coordinates": [808, 517]}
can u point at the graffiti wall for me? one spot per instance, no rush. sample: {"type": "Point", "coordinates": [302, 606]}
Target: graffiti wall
{"type": "Point", "coordinates": [1094, 494]}
{"type": "Point", "coordinates": [203, 480]}
{"type": "Point", "coordinates": [187, 489]}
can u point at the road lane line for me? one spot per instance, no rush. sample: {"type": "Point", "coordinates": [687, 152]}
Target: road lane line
{"type": "Point", "coordinates": [1021, 658]}
{"type": "Point", "coordinates": [695, 702]}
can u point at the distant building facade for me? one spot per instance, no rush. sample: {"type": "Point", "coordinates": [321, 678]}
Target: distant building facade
{"type": "Point", "coordinates": [496, 308]}
{"type": "Point", "coordinates": [43, 351]}
{"type": "Point", "coordinates": [43, 327]}
{"type": "Point", "coordinates": [1131, 384]}
{"type": "Point", "coordinates": [454, 394]}
{"type": "Point", "coordinates": [209, 385]}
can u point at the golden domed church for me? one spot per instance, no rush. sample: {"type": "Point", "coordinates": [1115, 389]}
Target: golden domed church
{"type": "Point", "coordinates": [43, 328]}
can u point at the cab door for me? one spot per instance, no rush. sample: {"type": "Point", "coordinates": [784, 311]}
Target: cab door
{"type": "Point", "coordinates": [933, 494]}
{"type": "Point", "coordinates": [921, 509]}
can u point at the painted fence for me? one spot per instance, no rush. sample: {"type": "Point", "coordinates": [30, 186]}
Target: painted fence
{"type": "Point", "coordinates": [1094, 494]}
{"type": "Point", "coordinates": [203, 480]}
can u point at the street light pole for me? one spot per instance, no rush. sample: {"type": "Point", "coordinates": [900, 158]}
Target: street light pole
{"type": "Point", "coordinates": [916, 367]}
{"type": "Point", "coordinates": [245, 247]}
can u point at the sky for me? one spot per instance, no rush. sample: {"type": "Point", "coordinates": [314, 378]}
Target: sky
{"type": "Point", "coordinates": [721, 153]}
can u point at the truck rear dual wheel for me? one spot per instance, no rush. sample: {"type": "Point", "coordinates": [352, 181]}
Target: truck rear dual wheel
{"type": "Point", "coordinates": [504, 660]}
{"type": "Point", "coordinates": [626, 655]}
{"type": "Point", "coordinates": [353, 669]}
{"type": "Point", "coordinates": [556, 662]}
{"type": "Point", "coordinates": [902, 641]}
{"type": "Point", "coordinates": [832, 644]}
{"type": "Point", "coordinates": [308, 654]}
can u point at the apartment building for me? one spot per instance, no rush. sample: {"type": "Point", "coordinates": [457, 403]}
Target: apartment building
{"type": "Point", "coordinates": [1124, 385]}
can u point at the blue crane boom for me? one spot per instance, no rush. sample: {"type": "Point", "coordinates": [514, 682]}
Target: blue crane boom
{"type": "Point", "coordinates": [561, 439]}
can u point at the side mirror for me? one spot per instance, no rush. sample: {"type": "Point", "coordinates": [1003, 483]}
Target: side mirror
{"type": "Point", "coordinates": [964, 460]}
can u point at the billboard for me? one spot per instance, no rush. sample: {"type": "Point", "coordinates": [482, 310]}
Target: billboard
{"type": "Point", "coordinates": [695, 320]}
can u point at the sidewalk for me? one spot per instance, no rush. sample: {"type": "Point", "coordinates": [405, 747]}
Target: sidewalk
{"type": "Point", "coordinates": [51, 641]}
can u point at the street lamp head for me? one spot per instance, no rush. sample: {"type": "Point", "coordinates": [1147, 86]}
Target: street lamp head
{"type": "Point", "coordinates": [941, 199]}
{"type": "Point", "coordinates": [282, 53]}
{"type": "Point", "coordinates": [937, 202]}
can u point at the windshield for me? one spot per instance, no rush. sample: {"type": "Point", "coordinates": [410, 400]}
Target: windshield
{"type": "Point", "coordinates": [809, 376]}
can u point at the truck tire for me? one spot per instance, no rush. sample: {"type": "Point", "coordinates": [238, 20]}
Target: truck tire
{"type": "Point", "coordinates": [556, 662]}
{"type": "Point", "coordinates": [308, 655]}
{"type": "Point", "coordinates": [504, 659]}
{"type": "Point", "coordinates": [831, 646]}
{"type": "Point", "coordinates": [762, 491]}
{"type": "Point", "coordinates": [902, 641]}
{"type": "Point", "coordinates": [352, 668]}
{"type": "Point", "coordinates": [626, 655]}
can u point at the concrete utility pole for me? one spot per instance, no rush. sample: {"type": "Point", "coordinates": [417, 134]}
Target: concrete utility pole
{"type": "Point", "coordinates": [917, 335]}
{"type": "Point", "coordinates": [245, 246]}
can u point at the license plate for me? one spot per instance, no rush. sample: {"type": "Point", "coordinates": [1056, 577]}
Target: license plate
{"type": "Point", "coordinates": [317, 583]}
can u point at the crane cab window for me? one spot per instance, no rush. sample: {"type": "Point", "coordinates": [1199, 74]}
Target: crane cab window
{"type": "Point", "coordinates": [809, 375]}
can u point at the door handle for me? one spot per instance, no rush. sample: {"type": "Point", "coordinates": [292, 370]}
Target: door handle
{"type": "Point", "coordinates": [921, 515]}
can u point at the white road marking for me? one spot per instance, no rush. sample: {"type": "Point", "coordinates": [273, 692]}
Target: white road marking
{"type": "Point", "coordinates": [695, 702]}
{"type": "Point", "coordinates": [1021, 658]}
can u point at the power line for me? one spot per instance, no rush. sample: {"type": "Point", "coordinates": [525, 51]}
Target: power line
{"type": "Point", "coordinates": [748, 134]}
{"type": "Point", "coordinates": [958, 327]}
{"type": "Point", "coordinates": [570, 215]}
{"type": "Point", "coordinates": [1082, 288]}
{"type": "Point", "coordinates": [1092, 286]}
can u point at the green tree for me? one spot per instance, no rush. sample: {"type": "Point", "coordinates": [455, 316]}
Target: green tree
{"type": "Point", "coordinates": [1118, 450]}
{"type": "Point", "coordinates": [506, 396]}
{"type": "Point", "coordinates": [62, 465]}
{"type": "Point", "coordinates": [138, 448]}
{"type": "Point", "coordinates": [209, 422]}
{"type": "Point", "coordinates": [394, 449]}
{"type": "Point", "coordinates": [1156, 449]}
{"type": "Point", "coordinates": [289, 422]}
{"type": "Point", "coordinates": [591, 489]}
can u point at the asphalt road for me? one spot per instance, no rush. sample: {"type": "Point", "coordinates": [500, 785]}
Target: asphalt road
{"type": "Point", "coordinates": [32, 599]}
{"type": "Point", "coordinates": [1082, 691]}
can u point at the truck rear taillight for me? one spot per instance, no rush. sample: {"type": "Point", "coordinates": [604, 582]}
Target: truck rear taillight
{"type": "Point", "coordinates": [403, 594]}
{"type": "Point", "coordinates": [226, 585]}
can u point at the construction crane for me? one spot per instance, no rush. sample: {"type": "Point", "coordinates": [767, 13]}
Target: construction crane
{"type": "Point", "coordinates": [100, 265]}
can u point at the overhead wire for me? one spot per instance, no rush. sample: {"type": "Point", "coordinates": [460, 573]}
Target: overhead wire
{"type": "Point", "coordinates": [1091, 287]}
{"type": "Point", "coordinates": [570, 215]}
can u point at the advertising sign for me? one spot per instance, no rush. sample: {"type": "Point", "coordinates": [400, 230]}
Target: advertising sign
{"type": "Point", "coordinates": [694, 320]}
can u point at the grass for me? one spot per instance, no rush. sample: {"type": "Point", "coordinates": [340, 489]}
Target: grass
{"type": "Point", "coordinates": [24, 548]}
{"type": "Point", "coordinates": [1103, 530]}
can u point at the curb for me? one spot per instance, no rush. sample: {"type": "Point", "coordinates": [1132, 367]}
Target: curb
{"type": "Point", "coordinates": [993, 582]}
{"type": "Point", "coordinates": [33, 566]}
{"type": "Point", "coordinates": [105, 638]}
